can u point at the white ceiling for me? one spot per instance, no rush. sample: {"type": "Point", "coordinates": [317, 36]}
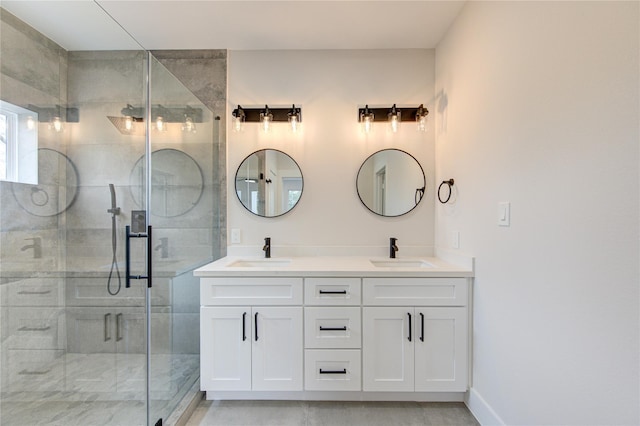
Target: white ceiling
{"type": "Point", "coordinates": [239, 24]}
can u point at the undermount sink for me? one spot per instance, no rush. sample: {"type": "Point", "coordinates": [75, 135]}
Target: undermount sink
{"type": "Point", "coordinates": [260, 263]}
{"type": "Point", "coordinates": [401, 263]}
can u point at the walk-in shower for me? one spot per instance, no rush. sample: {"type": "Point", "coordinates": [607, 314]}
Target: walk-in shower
{"type": "Point", "coordinates": [77, 346]}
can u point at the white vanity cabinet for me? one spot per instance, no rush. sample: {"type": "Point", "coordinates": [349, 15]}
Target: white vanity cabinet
{"type": "Point", "coordinates": [251, 347]}
{"type": "Point", "coordinates": [415, 338]}
{"type": "Point", "coordinates": [330, 328]}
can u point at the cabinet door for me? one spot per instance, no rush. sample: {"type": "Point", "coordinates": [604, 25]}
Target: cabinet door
{"type": "Point", "coordinates": [225, 348]}
{"type": "Point", "coordinates": [441, 349]}
{"type": "Point", "coordinates": [277, 348]}
{"type": "Point", "coordinates": [387, 348]}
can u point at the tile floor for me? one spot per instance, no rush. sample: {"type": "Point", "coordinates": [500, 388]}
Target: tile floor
{"type": "Point", "coordinates": [330, 413]}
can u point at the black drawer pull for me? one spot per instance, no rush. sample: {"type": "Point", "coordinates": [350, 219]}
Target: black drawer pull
{"type": "Point", "coordinates": [33, 373]}
{"type": "Point", "coordinates": [333, 328]}
{"type": "Point", "coordinates": [343, 371]}
{"type": "Point", "coordinates": [244, 328]}
{"type": "Point", "coordinates": [409, 315]}
{"type": "Point", "coordinates": [34, 292]}
{"type": "Point", "coordinates": [332, 291]}
{"type": "Point", "coordinates": [256, 326]}
{"type": "Point", "coordinates": [34, 328]}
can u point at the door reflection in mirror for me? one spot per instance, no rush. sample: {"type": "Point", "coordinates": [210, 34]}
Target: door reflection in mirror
{"type": "Point", "coordinates": [391, 182]}
{"type": "Point", "coordinates": [269, 183]}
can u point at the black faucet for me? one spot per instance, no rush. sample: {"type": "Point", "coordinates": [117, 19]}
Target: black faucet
{"type": "Point", "coordinates": [267, 247]}
{"type": "Point", "coordinates": [163, 247]}
{"type": "Point", "coordinates": [393, 248]}
{"type": "Point", "coordinates": [36, 246]}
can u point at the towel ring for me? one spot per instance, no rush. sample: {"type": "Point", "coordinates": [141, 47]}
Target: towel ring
{"type": "Point", "coordinates": [449, 183]}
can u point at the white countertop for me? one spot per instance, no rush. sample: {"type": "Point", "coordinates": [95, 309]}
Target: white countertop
{"type": "Point", "coordinates": [329, 266]}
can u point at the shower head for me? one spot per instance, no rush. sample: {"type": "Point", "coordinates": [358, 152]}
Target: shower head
{"type": "Point", "coordinates": [113, 210]}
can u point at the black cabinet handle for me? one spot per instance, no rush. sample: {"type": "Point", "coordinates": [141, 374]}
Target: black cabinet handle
{"type": "Point", "coordinates": [107, 335]}
{"type": "Point", "coordinates": [409, 314]}
{"type": "Point", "coordinates": [421, 327]}
{"type": "Point", "coordinates": [333, 328]}
{"type": "Point", "coordinates": [244, 327]}
{"type": "Point", "coordinates": [343, 371]}
{"type": "Point", "coordinates": [256, 325]}
{"type": "Point", "coordinates": [118, 326]}
{"type": "Point", "coordinates": [332, 291]}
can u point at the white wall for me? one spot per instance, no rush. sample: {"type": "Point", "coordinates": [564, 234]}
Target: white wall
{"type": "Point", "coordinates": [538, 105]}
{"type": "Point", "coordinates": [330, 86]}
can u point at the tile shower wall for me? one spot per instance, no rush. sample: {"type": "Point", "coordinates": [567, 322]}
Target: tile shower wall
{"type": "Point", "coordinates": [32, 72]}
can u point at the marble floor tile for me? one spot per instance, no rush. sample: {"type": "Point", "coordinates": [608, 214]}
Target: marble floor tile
{"type": "Point", "coordinates": [330, 413]}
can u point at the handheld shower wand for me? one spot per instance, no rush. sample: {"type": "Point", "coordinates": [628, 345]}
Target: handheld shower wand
{"type": "Point", "coordinates": [113, 210]}
{"type": "Point", "coordinates": [114, 242]}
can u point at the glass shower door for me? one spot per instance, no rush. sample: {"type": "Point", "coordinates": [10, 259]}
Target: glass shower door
{"type": "Point", "coordinates": [182, 136]}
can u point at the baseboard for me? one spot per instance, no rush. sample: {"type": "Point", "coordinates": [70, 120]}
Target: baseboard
{"type": "Point", "coordinates": [481, 410]}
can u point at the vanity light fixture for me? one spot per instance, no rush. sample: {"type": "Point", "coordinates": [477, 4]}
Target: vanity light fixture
{"type": "Point", "coordinates": [126, 123]}
{"type": "Point", "coordinates": [393, 116]}
{"type": "Point", "coordinates": [54, 116]}
{"type": "Point", "coordinates": [267, 116]}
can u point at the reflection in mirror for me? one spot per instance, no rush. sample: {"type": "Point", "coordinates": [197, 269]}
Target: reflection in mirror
{"type": "Point", "coordinates": [57, 186]}
{"type": "Point", "coordinates": [269, 183]}
{"type": "Point", "coordinates": [391, 182]}
{"type": "Point", "coordinates": [177, 182]}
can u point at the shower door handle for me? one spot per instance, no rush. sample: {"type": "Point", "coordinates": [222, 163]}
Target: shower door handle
{"type": "Point", "coordinates": [128, 276]}
{"type": "Point", "coordinates": [107, 335]}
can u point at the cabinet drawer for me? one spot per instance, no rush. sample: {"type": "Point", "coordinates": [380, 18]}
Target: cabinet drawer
{"type": "Point", "coordinates": [332, 291]}
{"type": "Point", "coordinates": [34, 328]}
{"type": "Point", "coordinates": [33, 292]}
{"type": "Point", "coordinates": [31, 370]}
{"type": "Point", "coordinates": [251, 291]}
{"type": "Point", "coordinates": [338, 327]}
{"type": "Point", "coordinates": [415, 291]}
{"type": "Point", "coordinates": [327, 370]}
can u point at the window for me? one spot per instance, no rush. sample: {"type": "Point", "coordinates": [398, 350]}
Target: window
{"type": "Point", "coordinates": [18, 144]}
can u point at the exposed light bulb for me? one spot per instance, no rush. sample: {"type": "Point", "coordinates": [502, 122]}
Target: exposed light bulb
{"type": "Point", "coordinates": [31, 123]}
{"type": "Point", "coordinates": [293, 121]}
{"type": "Point", "coordinates": [421, 118]}
{"type": "Point", "coordinates": [128, 123]}
{"type": "Point", "coordinates": [394, 123]}
{"type": "Point", "coordinates": [367, 124]}
{"type": "Point", "coordinates": [266, 117]}
{"type": "Point", "coordinates": [366, 119]}
{"type": "Point", "coordinates": [189, 126]}
{"type": "Point", "coordinates": [237, 124]}
{"type": "Point", "coordinates": [266, 123]}
{"type": "Point", "coordinates": [422, 123]}
{"type": "Point", "coordinates": [394, 119]}
{"type": "Point", "coordinates": [56, 124]}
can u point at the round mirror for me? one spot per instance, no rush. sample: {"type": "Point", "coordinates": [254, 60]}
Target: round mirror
{"type": "Point", "coordinates": [391, 182]}
{"type": "Point", "coordinates": [269, 183]}
{"type": "Point", "coordinates": [57, 186]}
{"type": "Point", "coordinates": [177, 182]}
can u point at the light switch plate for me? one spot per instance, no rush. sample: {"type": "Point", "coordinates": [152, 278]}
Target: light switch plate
{"type": "Point", "coordinates": [504, 213]}
{"type": "Point", "coordinates": [455, 239]}
{"type": "Point", "coordinates": [236, 236]}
